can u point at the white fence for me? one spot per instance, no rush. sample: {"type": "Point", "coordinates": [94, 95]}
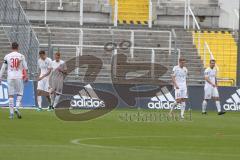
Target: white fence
{"type": "Point", "coordinates": [81, 4]}
{"type": "Point", "coordinates": [129, 35]}
{"type": "Point", "coordinates": [61, 8]}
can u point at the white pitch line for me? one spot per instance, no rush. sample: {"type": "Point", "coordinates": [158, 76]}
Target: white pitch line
{"type": "Point", "coordinates": [76, 141]}
{"type": "Point", "coordinates": [35, 145]}
{"type": "Point", "coordinates": [79, 142]}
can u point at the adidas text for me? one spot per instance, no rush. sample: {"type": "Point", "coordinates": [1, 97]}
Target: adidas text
{"type": "Point", "coordinates": [87, 103]}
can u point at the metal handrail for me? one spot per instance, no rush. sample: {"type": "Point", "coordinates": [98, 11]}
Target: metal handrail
{"type": "Point", "coordinates": [102, 29]}
{"type": "Point", "coordinates": [206, 47]}
{"type": "Point", "coordinates": [174, 39]}
{"type": "Point", "coordinates": [150, 18]}
{"type": "Point", "coordinates": [209, 50]}
{"type": "Point", "coordinates": [180, 4]}
{"type": "Point", "coordinates": [188, 12]}
{"type": "Point", "coordinates": [233, 82]}
{"type": "Point", "coordinates": [99, 46]}
{"type": "Point", "coordinates": [132, 33]}
{"type": "Point", "coordinates": [116, 13]}
{"type": "Point", "coordinates": [195, 22]}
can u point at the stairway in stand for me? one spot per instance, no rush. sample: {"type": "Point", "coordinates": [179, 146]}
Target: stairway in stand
{"type": "Point", "coordinates": [130, 12]}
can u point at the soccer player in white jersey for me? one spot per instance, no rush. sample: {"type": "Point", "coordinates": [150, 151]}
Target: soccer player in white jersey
{"type": "Point", "coordinates": [45, 66]}
{"type": "Point", "coordinates": [211, 88]}
{"type": "Point", "coordinates": [179, 78]}
{"type": "Point", "coordinates": [56, 80]}
{"type": "Point", "coordinates": [16, 73]}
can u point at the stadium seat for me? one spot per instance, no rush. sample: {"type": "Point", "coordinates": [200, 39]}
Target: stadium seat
{"type": "Point", "coordinates": [130, 12]}
{"type": "Point", "coordinates": [224, 49]}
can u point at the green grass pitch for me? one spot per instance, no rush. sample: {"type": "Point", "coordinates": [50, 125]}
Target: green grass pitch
{"type": "Point", "coordinates": [41, 136]}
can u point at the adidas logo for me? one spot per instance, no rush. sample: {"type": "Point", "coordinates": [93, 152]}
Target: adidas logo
{"type": "Point", "coordinates": [4, 94]}
{"type": "Point", "coordinates": [233, 103]}
{"type": "Point", "coordinates": [163, 100]}
{"type": "Point", "coordinates": [87, 99]}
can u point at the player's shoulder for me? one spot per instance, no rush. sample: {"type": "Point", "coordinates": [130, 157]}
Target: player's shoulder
{"type": "Point", "coordinates": [6, 56]}
{"type": "Point", "coordinates": [10, 55]}
{"type": "Point", "coordinates": [49, 59]}
{"type": "Point", "coordinates": [62, 62]}
{"type": "Point", "coordinates": [20, 55]}
{"type": "Point", "coordinates": [207, 69]}
{"type": "Point", "coordinates": [175, 67]}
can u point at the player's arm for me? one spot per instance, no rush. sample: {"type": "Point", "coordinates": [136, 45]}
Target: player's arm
{"type": "Point", "coordinates": [174, 79]}
{"type": "Point", "coordinates": [216, 80]}
{"type": "Point", "coordinates": [49, 71]}
{"type": "Point", "coordinates": [208, 80]}
{"type": "Point", "coordinates": [63, 69]}
{"type": "Point", "coordinates": [216, 83]}
{"type": "Point", "coordinates": [187, 76]}
{"type": "Point", "coordinates": [39, 72]}
{"type": "Point", "coordinates": [4, 66]}
{"type": "Point", "coordinates": [47, 74]}
{"type": "Point", "coordinates": [25, 69]}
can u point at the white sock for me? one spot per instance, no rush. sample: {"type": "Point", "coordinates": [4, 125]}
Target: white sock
{"type": "Point", "coordinates": [39, 100]}
{"type": "Point", "coordinates": [183, 107]}
{"type": "Point", "coordinates": [18, 102]}
{"type": "Point", "coordinates": [11, 106]}
{"type": "Point", "coordinates": [204, 106]}
{"type": "Point", "coordinates": [57, 98]}
{"type": "Point", "coordinates": [52, 97]}
{"type": "Point", "coordinates": [218, 106]}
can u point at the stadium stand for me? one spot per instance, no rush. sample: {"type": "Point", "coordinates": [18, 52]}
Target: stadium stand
{"type": "Point", "coordinates": [95, 11]}
{"type": "Point", "coordinates": [101, 12]}
{"type": "Point", "coordinates": [224, 49]}
{"type": "Point", "coordinates": [66, 40]}
{"type": "Point", "coordinates": [62, 32]}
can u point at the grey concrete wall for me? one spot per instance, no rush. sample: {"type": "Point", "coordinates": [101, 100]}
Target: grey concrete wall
{"type": "Point", "coordinates": [172, 13]}
{"type": "Point", "coordinates": [227, 15]}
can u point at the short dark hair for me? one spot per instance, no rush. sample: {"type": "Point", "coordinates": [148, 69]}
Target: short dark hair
{"type": "Point", "coordinates": [212, 60]}
{"type": "Point", "coordinates": [58, 53]}
{"type": "Point", "coordinates": [182, 59]}
{"type": "Point", "coordinates": [15, 45]}
{"type": "Point", "coordinates": [42, 52]}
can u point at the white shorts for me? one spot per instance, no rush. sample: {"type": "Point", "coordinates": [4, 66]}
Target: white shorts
{"type": "Point", "coordinates": [15, 87]}
{"type": "Point", "coordinates": [43, 85]}
{"type": "Point", "coordinates": [210, 92]}
{"type": "Point", "coordinates": [181, 93]}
